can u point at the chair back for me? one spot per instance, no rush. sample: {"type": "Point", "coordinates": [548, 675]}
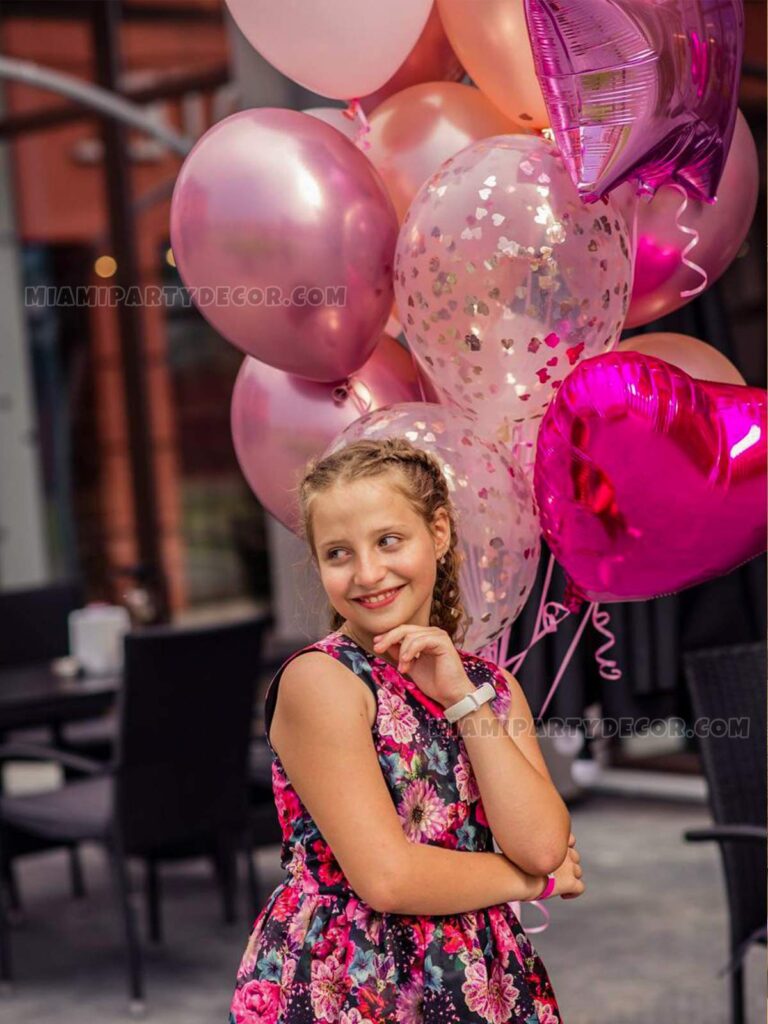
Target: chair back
{"type": "Point", "coordinates": [35, 622]}
{"type": "Point", "coordinates": [185, 717]}
{"type": "Point", "coordinates": [727, 689]}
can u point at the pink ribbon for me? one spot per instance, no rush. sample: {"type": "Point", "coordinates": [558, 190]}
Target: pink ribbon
{"type": "Point", "coordinates": [355, 112]}
{"type": "Point", "coordinates": [694, 236]}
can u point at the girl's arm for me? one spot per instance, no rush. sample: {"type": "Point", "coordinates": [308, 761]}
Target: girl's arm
{"type": "Point", "coordinates": [527, 815]}
{"type": "Point", "coordinates": [321, 732]}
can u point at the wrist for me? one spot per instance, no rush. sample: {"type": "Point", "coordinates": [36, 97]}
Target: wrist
{"type": "Point", "coordinates": [456, 692]}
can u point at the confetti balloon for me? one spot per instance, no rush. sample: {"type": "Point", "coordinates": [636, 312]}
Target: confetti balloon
{"type": "Point", "coordinates": [505, 280]}
{"type": "Point", "coordinates": [497, 524]}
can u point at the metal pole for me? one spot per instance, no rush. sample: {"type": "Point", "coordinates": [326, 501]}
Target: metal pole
{"type": "Point", "coordinates": [106, 44]}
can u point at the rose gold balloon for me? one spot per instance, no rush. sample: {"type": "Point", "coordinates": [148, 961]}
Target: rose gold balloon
{"type": "Point", "coordinates": [431, 60]}
{"type": "Point", "coordinates": [279, 421]}
{"type": "Point", "coordinates": [491, 41]}
{"type": "Point", "coordinates": [660, 274]}
{"type": "Point", "coordinates": [418, 129]}
{"type": "Point", "coordinates": [697, 358]}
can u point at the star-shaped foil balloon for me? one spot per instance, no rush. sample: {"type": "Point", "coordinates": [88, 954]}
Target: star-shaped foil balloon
{"type": "Point", "coordinates": [641, 90]}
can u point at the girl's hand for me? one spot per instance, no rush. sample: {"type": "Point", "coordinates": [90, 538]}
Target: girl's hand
{"type": "Point", "coordinates": [429, 655]}
{"type": "Point", "coordinates": [568, 883]}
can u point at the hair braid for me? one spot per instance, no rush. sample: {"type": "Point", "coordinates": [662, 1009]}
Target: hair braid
{"type": "Point", "coordinates": [424, 484]}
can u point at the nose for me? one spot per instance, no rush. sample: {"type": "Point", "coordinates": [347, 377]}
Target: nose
{"type": "Point", "coordinates": [370, 570]}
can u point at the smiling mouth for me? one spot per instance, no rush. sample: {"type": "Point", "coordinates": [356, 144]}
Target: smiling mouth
{"type": "Point", "coordinates": [385, 597]}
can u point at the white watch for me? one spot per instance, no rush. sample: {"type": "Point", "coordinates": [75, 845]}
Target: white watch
{"type": "Point", "coordinates": [471, 702]}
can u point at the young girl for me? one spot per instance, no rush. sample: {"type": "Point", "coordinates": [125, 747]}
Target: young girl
{"type": "Point", "coordinates": [395, 909]}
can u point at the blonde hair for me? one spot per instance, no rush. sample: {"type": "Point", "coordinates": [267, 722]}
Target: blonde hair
{"type": "Point", "coordinates": [423, 484]}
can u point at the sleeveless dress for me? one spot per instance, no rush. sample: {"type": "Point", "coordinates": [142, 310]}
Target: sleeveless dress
{"type": "Point", "coordinates": [317, 952]}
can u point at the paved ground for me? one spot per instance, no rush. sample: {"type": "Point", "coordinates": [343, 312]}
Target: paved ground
{"type": "Point", "coordinates": [642, 946]}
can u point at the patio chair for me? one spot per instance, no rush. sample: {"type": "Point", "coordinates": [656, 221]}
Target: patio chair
{"type": "Point", "coordinates": [35, 622]}
{"type": "Point", "coordinates": [729, 683]}
{"type": "Point", "coordinates": [35, 628]}
{"type": "Point", "coordinates": [178, 785]}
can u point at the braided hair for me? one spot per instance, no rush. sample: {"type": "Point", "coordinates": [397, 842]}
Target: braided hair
{"type": "Point", "coordinates": [420, 478]}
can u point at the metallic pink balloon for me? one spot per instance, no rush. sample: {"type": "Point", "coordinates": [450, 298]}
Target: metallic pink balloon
{"type": "Point", "coordinates": [660, 275]}
{"type": "Point", "coordinates": [505, 279]}
{"type": "Point", "coordinates": [431, 60]}
{"type": "Point", "coordinates": [288, 233]}
{"type": "Point", "coordinates": [640, 89]}
{"type": "Point", "coordinates": [497, 524]}
{"type": "Point", "coordinates": [280, 421]}
{"type": "Point", "coordinates": [649, 481]}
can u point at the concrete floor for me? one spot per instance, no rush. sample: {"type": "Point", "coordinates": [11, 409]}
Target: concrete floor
{"type": "Point", "coordinates": [642, 946]}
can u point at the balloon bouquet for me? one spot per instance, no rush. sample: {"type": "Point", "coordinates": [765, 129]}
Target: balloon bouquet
{"type": "Point", "coordinates": [595, 175]}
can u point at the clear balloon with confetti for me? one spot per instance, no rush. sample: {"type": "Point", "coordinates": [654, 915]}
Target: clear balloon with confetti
{"type": "Point", "coordinates": [505, 279]}
{"type": "Point", "coordinates": [497, 524]}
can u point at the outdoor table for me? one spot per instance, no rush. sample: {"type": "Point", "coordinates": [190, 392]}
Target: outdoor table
{"type": "Point", "coordinates": [34, 695]}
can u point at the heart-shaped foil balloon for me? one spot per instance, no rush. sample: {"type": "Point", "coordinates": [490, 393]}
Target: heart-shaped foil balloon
{"type": "Point", "coordinates": [649, 481]}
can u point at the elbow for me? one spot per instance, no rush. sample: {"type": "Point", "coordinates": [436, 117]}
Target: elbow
{"type": "Point", "coordinates": [383, 887]}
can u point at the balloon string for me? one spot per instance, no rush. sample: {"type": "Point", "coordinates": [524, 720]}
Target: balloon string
{"type": "Point", "coordinates": [516, 909]}
{"type": "Point", "coordinates": [694, 236]}
{"type": "Point", "coordinates": [608, 668]}
{"type": "Point", "coordinates": [568, 655]}
{"type": "Point", "coordinates": [355, 112]}
{"type": "Point", "coordinates": [350, 389]}
{"type": "Point", "coordinates": [548, 617]}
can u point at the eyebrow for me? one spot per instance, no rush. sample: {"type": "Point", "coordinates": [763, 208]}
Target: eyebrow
{"type": "Point", "coordinates": [379, 529]}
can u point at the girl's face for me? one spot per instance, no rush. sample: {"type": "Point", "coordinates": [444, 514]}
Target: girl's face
{"type": "Point", "coordinates": [376, 555]}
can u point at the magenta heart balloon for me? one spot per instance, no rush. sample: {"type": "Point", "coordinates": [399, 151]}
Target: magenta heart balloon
{"type": "Point", "coordinates": [640, 89]}
{"type": "Point", "coordinates": [649, 481]}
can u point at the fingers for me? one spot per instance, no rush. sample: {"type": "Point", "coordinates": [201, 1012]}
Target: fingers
{"type": "Point", "coordinates": [571, 839]}
{"type": "Point", "coordinates": [382, 641]}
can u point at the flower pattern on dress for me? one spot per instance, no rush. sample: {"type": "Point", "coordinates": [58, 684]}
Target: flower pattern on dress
{"type": "Point", "coordinates": [318, 953]}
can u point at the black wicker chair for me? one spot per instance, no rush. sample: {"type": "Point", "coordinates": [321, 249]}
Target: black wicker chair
{"type": "Point", "coordinates": [729, 683]}
{"type": "Point", "coordinates": [179, 784]}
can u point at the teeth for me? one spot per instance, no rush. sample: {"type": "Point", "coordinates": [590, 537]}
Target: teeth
{"type": "Point", "coordinates": [380, 598]}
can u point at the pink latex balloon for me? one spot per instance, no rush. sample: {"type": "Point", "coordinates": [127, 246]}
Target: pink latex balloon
{"type": "Point", "coordinates": [696, 358]}
{"type": "Point", "coordinates": [420, 128]}
{"type": "Point", "coordinates": [280, 421]}
{"type": "Point", "coordinates": [640, 89]}
{"type": "Point", "coordinates": [337, 48]}
{"type": "Point", "coordinates": [491, 41]}
{"type": "Point", "coordinates": [649, 481]}
{"type": "Point", "coordinates": [431, 60]}
{"type": "Point", "coordinates": [497, 524]}
{"type": "Point", "coordinates": [505, 280]}
{"type": "Point", "coordinates": [287, 233]}
{"type": "Point", "coordinates": [660, 273]}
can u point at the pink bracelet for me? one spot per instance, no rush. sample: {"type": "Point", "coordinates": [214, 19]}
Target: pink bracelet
{"type": "Point", "coordinates": [548, 889]}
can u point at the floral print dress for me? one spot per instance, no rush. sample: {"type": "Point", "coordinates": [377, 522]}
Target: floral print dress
{"type": "Point", "coordinates": [317, 952]}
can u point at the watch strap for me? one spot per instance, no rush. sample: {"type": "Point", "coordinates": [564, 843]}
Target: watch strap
{"type": "Point", "coordinates": [470, 702]}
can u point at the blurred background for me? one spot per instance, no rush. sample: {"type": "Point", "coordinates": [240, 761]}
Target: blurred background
{"type": "Point", "coordinates": [118, 476]}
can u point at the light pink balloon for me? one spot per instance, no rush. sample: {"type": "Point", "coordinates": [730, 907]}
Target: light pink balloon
{"type": "Point", "coordinates": [431, 60]}
{"type": "Point", "coordinates": [660, 274]}
{"type": "Point", "coordinates": [337, 48]}
{"type": "Point", "coordinates": [415, 131]}
{"type": "Point", "coordinates": [288, 233]}
{"type": "Point", "coordinates": [697, 358]}
{"type": "Point", "coordinates": [498, 528]}
{"type": "Point", "coordinates": [280, 421]}
{"type": "Point", "coordinates": [505, 280]}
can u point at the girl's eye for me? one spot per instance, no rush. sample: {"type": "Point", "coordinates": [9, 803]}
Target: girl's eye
{"type": "Point", "coordinates": [330, 554]}
{"type": "Point", "coordinates": [390, 536]}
